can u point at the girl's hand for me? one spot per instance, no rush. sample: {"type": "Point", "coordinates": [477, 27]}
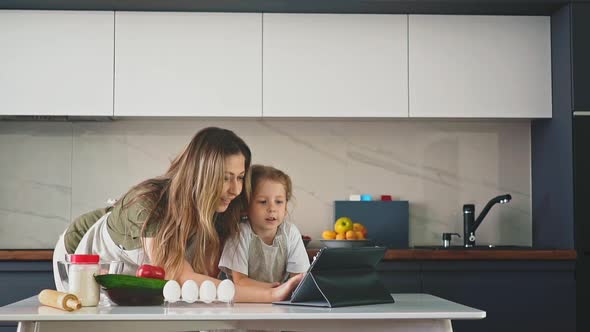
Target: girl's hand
{"type": "Point", "coordinates": [242, 279]}
{"type": "Point", "coordinates": [283, 292]}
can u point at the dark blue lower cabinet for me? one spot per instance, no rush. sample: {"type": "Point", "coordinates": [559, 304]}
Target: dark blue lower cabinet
{"type": "Point", "coordinates": [400, 277]}
{"type": "Point", "coordinates": [8, 328]}
{"type": "Point", "coordinates": [583, 291]}
{"type": "Point", "coordinates": [517, 295]}
{"type": "Point", "coordinates": [22, 280]}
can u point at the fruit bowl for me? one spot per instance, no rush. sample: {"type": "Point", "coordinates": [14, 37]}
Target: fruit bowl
{"type": "Point", "coordinates": [347, 243]}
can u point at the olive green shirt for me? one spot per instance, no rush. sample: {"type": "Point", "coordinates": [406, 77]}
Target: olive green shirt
{"type": "Point", "coordinates": [124, 224]}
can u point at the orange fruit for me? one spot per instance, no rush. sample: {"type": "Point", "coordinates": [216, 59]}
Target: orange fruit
{"type": "Point", "coordinates": [328, 235]}
{"type": "Point", "coordinates": [360, 235]}
{"type": "Point", "coordinates": [351, 235]}
{"type": "Point", "coordinates": [342, 225]}
{"type": "Point", "coordinates": [358, 227]}
{"type": "Point", "coordinates": [340, 237]}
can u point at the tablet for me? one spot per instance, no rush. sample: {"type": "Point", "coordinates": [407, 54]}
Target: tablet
{"type": "Point", "coordinates": [342, 277]}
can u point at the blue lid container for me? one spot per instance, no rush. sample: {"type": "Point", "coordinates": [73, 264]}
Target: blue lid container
{"type": "Point", "coordinates": [366, 198]}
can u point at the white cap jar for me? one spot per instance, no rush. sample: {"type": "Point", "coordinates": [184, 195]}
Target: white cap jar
{"type": "Point", "coordinates": [81, 279]}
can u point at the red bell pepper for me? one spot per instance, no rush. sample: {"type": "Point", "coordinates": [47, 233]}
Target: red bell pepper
{"type": "Point", "coordinates": [150, 271]}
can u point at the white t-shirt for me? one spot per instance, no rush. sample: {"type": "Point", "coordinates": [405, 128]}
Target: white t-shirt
{"type": "Point", "coordinates": [249, 255]}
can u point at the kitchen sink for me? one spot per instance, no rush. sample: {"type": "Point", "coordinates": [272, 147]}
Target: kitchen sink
{"type": "Point", "coordinates": [478, 247]}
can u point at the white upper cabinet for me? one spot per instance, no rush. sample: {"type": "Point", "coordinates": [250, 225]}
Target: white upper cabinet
{"type": "Point", "coordinates": [480, 66]}
{"type": "Point", "coordinates": [335, 65]}
{"type": "Point", "coordinates": [188, 64]}
{"type": "Point", "coordinates": [56, 63]}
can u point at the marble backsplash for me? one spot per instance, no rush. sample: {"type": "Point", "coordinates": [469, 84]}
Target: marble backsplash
{"type": "Point", "coordinates": [51, 172]}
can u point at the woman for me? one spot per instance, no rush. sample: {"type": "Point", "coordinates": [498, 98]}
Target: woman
{"type": "Point", "coordinates": [178, 221]}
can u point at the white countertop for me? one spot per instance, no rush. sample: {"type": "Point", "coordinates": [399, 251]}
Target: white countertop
{"type": "Point", "coordinates": [406, 306]}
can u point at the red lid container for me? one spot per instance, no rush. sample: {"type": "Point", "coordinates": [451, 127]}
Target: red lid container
{"type": "Point", "coordinates": [84, 259]}
{"type": "Point", "coordinates": [386, 197]}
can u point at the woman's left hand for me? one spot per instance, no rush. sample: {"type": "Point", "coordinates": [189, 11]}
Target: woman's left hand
{"type": "Point", "coordinates": [283, 292]}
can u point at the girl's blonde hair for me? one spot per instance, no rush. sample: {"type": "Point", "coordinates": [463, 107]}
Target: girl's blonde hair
{"type": "Point", "coordinates": [185, 200]}
{"type": "Point", "coordinates": [260, 173]}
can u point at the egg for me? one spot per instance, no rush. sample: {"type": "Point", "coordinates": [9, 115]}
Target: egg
{"type": "Point", "coordinates": [171, 291]}
{"type": "Point", "coordinates": [226, 291]}
{"type": "Point", "coordinates": [207, 292]}
{"type": "Point", "coordinates": [190, 291]}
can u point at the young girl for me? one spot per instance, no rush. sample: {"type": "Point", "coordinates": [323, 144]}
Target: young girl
{"type": "Point", "coordinates": [178, 221]}
{"type": "Point", "coordinates": [268, 249]}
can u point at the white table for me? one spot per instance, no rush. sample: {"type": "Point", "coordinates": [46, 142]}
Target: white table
{"type": "Point", "coordinates": [410, 312]}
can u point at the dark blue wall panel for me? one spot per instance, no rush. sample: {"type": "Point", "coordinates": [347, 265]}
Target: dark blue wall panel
{"type": "Point", "coordinates": [386, 221]}
{"type": "Point", "coordinates": [551, 149]}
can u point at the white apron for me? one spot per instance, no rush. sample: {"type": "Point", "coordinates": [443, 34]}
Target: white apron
{"type": "Point", "coordinates": [98, 241]}
{"type": "Point", "coordinates": [268, 263]}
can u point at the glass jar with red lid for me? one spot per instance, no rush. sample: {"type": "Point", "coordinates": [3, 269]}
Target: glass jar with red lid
{"type": "Point", "coordinates": [81, 278]}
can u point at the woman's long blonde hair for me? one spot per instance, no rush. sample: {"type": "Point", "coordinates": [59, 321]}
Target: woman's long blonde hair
{"type": "Point", "coordinates": [185, 200]}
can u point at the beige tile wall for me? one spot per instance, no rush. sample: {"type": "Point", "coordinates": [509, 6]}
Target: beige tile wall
{"type": "Point", "coordinates": [52, 171]}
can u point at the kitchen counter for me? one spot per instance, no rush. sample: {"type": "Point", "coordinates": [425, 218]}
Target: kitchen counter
{"type": "Point", "coordinates": [391, 255]}
{"type": "Point", "coordinates": [410, 312]}
{"type": "Point", "coordinates": [473, 254]}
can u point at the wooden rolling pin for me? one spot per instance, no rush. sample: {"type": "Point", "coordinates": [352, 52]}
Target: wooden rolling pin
{"type": "Point", "coordinates": [59, 300]}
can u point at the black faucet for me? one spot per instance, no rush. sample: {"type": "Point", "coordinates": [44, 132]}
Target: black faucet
{"type": "Point", "coordinates": [470, 225]}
